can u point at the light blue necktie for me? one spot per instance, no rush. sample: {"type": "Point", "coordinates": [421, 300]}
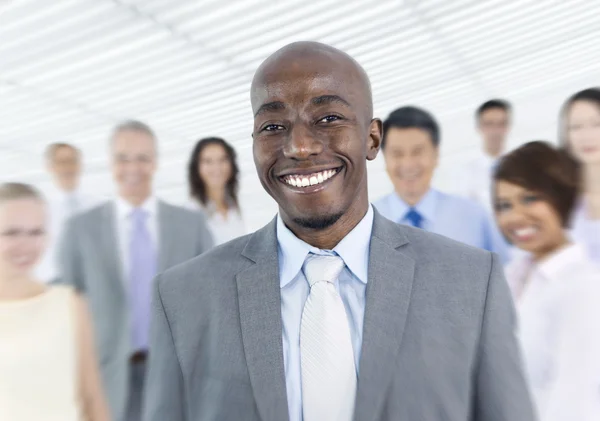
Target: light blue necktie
{"type": "Point", "coordinates": [142, 259]}
{"type": "Point", "coordinates": [415, 218]}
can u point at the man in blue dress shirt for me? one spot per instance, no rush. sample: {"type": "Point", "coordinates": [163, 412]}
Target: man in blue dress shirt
{"type": "Point", "coordinates": [411, 151]}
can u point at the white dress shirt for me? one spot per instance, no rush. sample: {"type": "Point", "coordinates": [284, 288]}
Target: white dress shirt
{"type": "Point", "coordinates": [476, 180]}
{"type": "Point", "coordinates": [61, 206]}
{"type": "Point", "coordinates": [223, 228]}
{"type": "Point", "coordinates": [125, 226]}
{"type": "Point", "coordinates": [558, 302]}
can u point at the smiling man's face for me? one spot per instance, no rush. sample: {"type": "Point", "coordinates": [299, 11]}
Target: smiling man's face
{"type": "Point", "coordinates": [313, 133]}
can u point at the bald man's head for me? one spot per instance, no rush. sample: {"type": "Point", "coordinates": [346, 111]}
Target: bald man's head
{"type": "Point", "coordinates": [313, 133]}
{"type": "Point", "coordinates": [318, 57]}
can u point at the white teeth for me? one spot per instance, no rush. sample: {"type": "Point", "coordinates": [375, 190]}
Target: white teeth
{"type": "Point", "coordinates": [524, 232]}
{"type": "Point", "coordinates": [309, 180]}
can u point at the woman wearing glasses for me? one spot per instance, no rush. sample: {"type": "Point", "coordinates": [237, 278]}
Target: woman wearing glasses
{"type": "Point", "coordinates": [48, 368]}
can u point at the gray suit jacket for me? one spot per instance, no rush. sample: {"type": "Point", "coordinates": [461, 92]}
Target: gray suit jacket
{"type": "Point", "coordinates": [438, 342]}
{"type": "Point", "coordinates": [89, 259]}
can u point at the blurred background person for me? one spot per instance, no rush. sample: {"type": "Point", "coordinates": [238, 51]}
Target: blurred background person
{"type": "Point", "coordinates": [112, 254]}
{"type": "Point", "coordinates": [64, 199]}
{"type": "Point", "coordinates": [48, 367]}
{"type": "Point", "coordinates": [581, 136]}
{"type": "Point", "coordinates": [213, 182]}
{"type": "Point", "coordinates": [556, 287]}
{"type": "Point", "coordinates": [493, 120]}
{"type": "Point", "coordinates": [411, 151]}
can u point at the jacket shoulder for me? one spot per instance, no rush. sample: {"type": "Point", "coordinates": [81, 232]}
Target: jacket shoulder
{"type": "Point", "coordinates": [216, 265]}
{"type": "Point", "coordinates": [182, 212]}
{"type": "Point", "coordinates": [91, 215]}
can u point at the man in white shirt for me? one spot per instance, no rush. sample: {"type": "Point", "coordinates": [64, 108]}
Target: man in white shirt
{"type": "Point", "coordinates": [112, 253]}
{"type": "Point", "coordinates": [65, 199]}
{"type": "Point", "coordinates": [493, 123]}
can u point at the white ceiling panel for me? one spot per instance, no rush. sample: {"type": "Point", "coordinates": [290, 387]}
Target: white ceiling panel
{"type": "Point", "coordinates": [71, 69]}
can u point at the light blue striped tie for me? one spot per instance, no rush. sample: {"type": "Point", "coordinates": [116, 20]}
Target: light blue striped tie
{"type": "Point", "coordinates": [142, 259]}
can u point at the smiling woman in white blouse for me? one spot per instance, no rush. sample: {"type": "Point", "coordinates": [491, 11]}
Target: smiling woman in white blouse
{"type": "Point", "coordinates": [555, 286]}
{"type": "Point", "coordinates": [213, 183]}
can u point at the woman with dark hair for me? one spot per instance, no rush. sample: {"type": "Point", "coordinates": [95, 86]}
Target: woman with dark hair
{"type": "Point", "coordinates": [555, 285]}
{"type": "Point", "coordinates": [580, 134]}
{"type": "Point", "coordinates": [213, 182]}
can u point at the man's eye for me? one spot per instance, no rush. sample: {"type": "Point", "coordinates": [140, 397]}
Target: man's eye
{"type": "Point", "coordinates": [329, 119]}
{"type": "Point", "coordinates": [272, 128]}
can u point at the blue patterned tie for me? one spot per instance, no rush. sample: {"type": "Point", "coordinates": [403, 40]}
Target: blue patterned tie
{"type": "Point", "coordinates": [415, 218]}
{"type": "Point", "coordinates": [142, 260]}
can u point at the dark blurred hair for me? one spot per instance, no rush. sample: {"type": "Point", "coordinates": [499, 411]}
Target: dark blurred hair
{"type": "Point", "coordinates": [546, 170]}
{"type": "Point", "coordinates": [412, 118]}
{"type": "Point", "coordinates": [591, 95]}
{"type": "Point", "coordinates": [197, 186]}
{"type": "Point", "coordinates": [491, 104]}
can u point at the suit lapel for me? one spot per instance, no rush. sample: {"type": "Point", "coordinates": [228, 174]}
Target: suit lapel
{"type": "Point", "coordinates": [260, 318]}
{"type": "Point", "coordinates": [111, 247]}
{"type": "Point", "coordinates": [166, 235]}
{"type": "Point", "coordinates": [387, 300]}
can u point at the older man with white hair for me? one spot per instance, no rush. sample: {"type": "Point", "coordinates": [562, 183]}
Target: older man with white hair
{"type": "Point", "coordinates": [112, 253]}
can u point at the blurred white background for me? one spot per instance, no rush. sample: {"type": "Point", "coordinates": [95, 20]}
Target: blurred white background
{"type": "Point", "coordinates": [71, 69]}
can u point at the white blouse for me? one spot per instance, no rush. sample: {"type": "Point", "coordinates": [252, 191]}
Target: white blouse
{"type": "Point", "coordinates": [222, 228]}
{"type": "Point", "coordinates": [558, 303]}
{"type": "Point", "coordinates": [586, 231]}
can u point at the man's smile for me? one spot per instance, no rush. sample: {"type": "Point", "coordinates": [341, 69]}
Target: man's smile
{"type": "Point", "coordinates": [309, 180]}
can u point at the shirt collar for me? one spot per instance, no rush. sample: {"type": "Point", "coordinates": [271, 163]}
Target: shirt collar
{"type": "Point", "coordinates": [488, 160]}
{"type": "Point", "coordinates": [426, 206]}
{"type": "Point", "coordinates": [555, 264]}
{"type": "Point", "coordinates": [125, 208]}
{"type": "Point", "coordinates": [56, 192]}
{"type": "Point", "coordinates": [353, 249]}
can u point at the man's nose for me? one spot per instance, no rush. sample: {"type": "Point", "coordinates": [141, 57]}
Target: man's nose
{"type": "Point", "coordinates": [301, 143]}
{"type": "Point", "coordinates": [406, 163]}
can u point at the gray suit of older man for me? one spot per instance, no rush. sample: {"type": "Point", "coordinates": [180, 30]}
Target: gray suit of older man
{"type": "Point", "coordinates": [90, 260]}
{"type": "Point", "coordinates": [438, 338]}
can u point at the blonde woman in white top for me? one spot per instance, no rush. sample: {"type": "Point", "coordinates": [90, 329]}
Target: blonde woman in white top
{"type": "Point", "coordinates": [48, 367]}
{"type": "Point", "coordinates": [213, 183]}
{"type": "Point", "coordinates": [555, 286]}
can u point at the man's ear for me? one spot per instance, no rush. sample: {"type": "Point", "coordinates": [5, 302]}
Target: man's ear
{"type": "Point", "coordinates": [375, 137]}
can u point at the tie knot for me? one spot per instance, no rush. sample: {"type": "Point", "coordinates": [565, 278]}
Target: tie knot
{"type": "Point", "coordinates": [322, 268]}
{"type": "Point", "coordinates": [138, 214]}
{"type": "Point", "coordinates": [414, 217]}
